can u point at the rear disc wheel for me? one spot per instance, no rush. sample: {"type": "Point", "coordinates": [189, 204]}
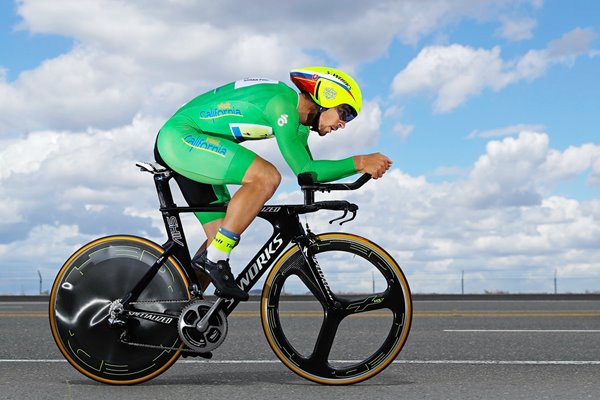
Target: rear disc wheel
{"type": "Point", "coordinates": [94, 277]}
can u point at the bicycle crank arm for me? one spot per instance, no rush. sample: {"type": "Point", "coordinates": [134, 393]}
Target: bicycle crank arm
{"type": "Point", "coordinates": [203, 324]}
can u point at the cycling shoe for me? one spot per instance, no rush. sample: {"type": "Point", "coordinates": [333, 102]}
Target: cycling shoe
{"type": "Point", "coordinates": [220, 275]}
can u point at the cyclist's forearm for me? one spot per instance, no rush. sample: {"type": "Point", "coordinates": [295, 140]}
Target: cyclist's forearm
{"type": "Point", "coordinates": [329, 170]}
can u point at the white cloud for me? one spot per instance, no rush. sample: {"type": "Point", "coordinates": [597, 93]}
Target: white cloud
{"type": "Point", "coordinates": [11, 210]}
{"type": "Point", "coordinates": [136, 57]}
{"type": "Point", "coordinates": [594, 178]}
{"type": "Point", "coordinates": [403, 130]}
{"type": "Point", "coordinates": [209, 27]}
{"type": "Point", "coordinates": [516, 29]}
{"type": "Point", "coordinates": [46, 242]}
{"type": "Point", "coordinates": [456, 72]}
{"type": "Point", "coordinates": [499, 217]}
{"type": "Point", "coordinates": [562, 166]}
{"type": "Point", "coordinates": [497, 221]}
{"type": "Point", "coordinates": [503, 176]}
{"type": "Point", "coordinates": [83, 178]}
{"type": "Point", "coordinates": [79, 121]}
{"type": "Point", "coordinates": [486, 223]}
{"type": "Point", "coordinates": [506, 131]}
{"type": "Point", "coordinates": [80, 89]}
{"type": "Point", "coordinates": [571, 45]}
{"type": "Point", "coordinates": [522, 171]}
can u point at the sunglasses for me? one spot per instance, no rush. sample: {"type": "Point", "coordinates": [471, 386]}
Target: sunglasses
{"type": "Point", "coordinates": [346, 112]}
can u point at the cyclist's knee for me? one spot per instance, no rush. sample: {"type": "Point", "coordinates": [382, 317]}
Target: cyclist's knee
{"type": "Point", "coordinates": [265, 174]}
{"type": "Point", "coordinates": [271, 179]}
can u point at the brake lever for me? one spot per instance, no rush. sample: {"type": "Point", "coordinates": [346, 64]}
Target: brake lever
{"type": "Point", "coordinates": [344, 216]}
{"type": "Point", "coordinates": [339, 218]}
{"type": "Point", "coordinates": [350, 219]}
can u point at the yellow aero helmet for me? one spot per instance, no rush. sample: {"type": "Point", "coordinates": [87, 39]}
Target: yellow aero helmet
{"type": "Point", "coordinates": [328, 87]}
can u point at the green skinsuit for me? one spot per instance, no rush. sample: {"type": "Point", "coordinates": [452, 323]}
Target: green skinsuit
{"type": "Point", "coordinates": [201, 140]}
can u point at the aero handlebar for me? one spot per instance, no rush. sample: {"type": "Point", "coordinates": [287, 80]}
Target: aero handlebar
{"type": "Point", "coordinates": [309, 186]}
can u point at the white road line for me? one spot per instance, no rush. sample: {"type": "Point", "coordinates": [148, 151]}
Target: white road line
{"type": "Point", "coordinates": [499, 362]}
{"type": "Point", "coordinates": [439, 362]}
{"type": "Point", "coordinates": [32, 361]}
{"type": "Point", "coordinates": [525, 330]}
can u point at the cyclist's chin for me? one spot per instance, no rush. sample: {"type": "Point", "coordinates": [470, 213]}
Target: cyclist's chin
{"type": "Point", "coordinates": [324, 131]}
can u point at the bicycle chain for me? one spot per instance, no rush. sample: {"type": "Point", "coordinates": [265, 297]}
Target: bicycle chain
{"type": "Point", "coordinates": [162, 301]}
{"type": "Point", "coordinates": [153, 346]}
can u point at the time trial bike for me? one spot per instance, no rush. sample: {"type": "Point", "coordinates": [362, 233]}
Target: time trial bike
{"type": "Point", "coordinates": [123, 309]}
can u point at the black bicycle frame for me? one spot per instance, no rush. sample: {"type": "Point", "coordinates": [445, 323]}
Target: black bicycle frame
{"type": "Point", "coordinates": [286, 229]}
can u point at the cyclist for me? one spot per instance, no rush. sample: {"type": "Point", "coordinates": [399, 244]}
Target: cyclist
{"type": "Point", "coordinates": [200, 142]}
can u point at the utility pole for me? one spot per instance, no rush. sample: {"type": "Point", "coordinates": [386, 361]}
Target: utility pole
{"type": "Point", "coordinates": [555, 281]}
{"type": "Point", "coordinates": [373, 280]}
{"type": "Point", "coordinates": [462, 282]}
{"type": "Point", "coordinates": [40, 275]}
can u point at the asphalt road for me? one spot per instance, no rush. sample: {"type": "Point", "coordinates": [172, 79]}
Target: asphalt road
{"type": "Point", "coordinates": [456, 350]}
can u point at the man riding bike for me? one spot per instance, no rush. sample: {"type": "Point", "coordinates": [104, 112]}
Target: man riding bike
{"type": "Point", "coordinates": [200, 142]}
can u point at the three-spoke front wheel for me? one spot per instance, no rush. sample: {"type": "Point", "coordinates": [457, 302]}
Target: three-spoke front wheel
{"type": "Point", "coordinates": [354, 316]}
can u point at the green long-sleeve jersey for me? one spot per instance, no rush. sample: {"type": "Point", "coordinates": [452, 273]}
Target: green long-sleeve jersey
{"type": "Point", "coordinates": [253, 109]}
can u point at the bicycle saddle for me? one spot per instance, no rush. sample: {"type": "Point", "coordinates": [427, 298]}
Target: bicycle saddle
{"type": "Point", "coordinates": [152, 167]}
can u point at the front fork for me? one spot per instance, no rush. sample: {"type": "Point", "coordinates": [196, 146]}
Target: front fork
{"type": "Point", "coordinates": [305, 244]}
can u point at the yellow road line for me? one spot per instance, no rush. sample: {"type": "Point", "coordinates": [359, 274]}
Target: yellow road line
{"type": "Point", "coordinates": [441, 313]}
{"type": "Point", "coordinates": [23, 314]}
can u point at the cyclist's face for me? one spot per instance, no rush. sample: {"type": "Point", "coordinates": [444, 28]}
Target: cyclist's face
{"type": "Point", "coordinates": [330, 121]}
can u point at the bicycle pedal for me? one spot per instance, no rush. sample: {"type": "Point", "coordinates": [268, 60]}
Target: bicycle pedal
{"type": "Point", "coordinates": [195, 291]}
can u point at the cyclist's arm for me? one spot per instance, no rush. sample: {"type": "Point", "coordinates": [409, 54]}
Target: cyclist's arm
{"type": "Point", "coordinates": [298, 157]}
{"type": "Point", "coordinates": [292, 143]}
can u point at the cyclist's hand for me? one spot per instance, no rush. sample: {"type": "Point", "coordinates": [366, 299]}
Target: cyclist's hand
{"type": "Point", "coordinates": [374, 164]}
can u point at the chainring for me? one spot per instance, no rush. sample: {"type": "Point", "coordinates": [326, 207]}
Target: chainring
{"type": "Point", "coordinates": [212, 337]}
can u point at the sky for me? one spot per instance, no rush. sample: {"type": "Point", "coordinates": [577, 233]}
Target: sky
{"type": "Point", "coordinates": [489, 110]}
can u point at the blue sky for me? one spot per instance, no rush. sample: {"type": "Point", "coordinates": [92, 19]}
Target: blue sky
{"type": "Point", "coordinates": [24, 50]}
{"type": "Point", "coordinates": [488, 109]}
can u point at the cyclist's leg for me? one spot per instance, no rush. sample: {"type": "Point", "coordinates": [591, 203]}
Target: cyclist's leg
{"type": "Point", "coordinates": [258, 185]}
{"type": "Point", "coordinates": [210, 230]}
{"type": "Point", "coordinates": [259, 182]}
{"type": "Point", "coordinates": [217, 162]}
{"type": "Point", "coordinates": [200, 173]}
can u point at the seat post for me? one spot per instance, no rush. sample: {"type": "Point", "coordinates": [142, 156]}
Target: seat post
{"type": "Point", "coordinates": [165, 197]}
